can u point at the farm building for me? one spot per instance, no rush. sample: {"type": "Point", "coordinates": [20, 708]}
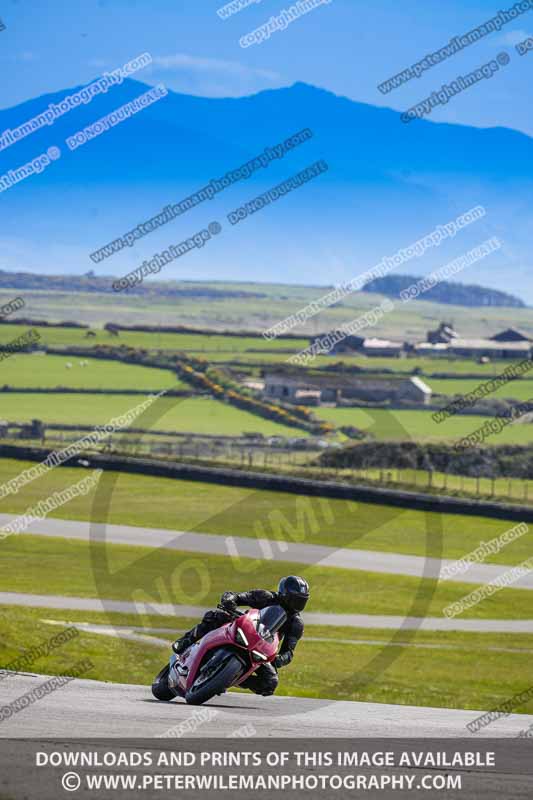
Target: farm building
{"type": "Point", "coordinates": [479, 348]}
{"type": "Point", "coordinates": [435, 350]}
{"type": "Point", "coordinates": [317, 389]}
{"type": "Point", "coordinates": [382, 347]}
{"type": "Point", "coordinates": [443, 334]}
{"type": "Point", "coordinates": [510, 335]}
{"type": "Point", "coordinates": [358, 344]}
{"type": "Point", "coordinates": [346, 345]}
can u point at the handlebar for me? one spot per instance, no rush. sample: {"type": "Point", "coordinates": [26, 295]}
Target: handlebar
{"type": "Point", "coordinates": [231, 612]}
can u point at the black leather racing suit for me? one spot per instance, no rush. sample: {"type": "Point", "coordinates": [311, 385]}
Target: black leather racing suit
{"type": "Point", "coordinates": [265, 679]}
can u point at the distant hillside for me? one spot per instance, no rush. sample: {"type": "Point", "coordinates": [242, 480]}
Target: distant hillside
{"type": "Point", "coordinates": [234, 306]}
{"type": "Point", "coordinates": [450, 293]}
{"type": "Point", "coordinates": [455, 294]}
{"type": "Point", "coordinates": [94, 283]}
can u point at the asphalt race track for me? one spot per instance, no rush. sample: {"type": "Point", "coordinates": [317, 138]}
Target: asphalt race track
{"type": "Point", "coordinates": [91, 708]}
{"type": "Point", "coordinates": [248, 547]}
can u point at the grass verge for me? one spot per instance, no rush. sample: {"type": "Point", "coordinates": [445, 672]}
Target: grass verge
{"type": "Point", "coordinates": [35, 564]}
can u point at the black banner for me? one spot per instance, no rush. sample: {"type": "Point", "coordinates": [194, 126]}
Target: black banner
{"type": "Point", "coordinates": [252, 768]}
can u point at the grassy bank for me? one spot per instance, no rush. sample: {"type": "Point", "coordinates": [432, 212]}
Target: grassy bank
{"type": "Point", "coordinates": [141, 500]}
{"type": "Point", "coordinates": [471, 671]}
{"type": "Point", "coordinates": [140, 574]}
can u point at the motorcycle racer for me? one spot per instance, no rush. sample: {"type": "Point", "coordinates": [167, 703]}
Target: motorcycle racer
{"type": "Point", "coordinates": [292, 595]}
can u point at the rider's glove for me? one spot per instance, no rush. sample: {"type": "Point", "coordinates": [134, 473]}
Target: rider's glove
{"type": "Point", "coordinates": [282, 659]}
{"type": "Point", "coordinates": [229, 600]}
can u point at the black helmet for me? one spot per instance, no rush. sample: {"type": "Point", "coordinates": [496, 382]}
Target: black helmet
{"type": "Point", "coordinates": [293, 593]}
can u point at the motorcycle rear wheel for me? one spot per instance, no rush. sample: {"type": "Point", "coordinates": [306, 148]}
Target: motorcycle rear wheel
{"type": "Point", "coordinates": [203, 690]}
{"type": "Point", "coordinates": [160, 687]}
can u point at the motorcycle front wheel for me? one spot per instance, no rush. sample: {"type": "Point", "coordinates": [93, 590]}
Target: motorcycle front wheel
{"type": "Point", "coordinates": [160, 687]}
{"type": "Point", "coordinates": [212, 682]}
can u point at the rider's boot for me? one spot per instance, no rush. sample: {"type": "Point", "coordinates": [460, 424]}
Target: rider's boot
{"type": "Point", "coordinates": [186, 641]}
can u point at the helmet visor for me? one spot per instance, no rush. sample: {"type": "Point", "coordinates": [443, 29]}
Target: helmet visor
{"type": "Point", "coordinates": [297, 601]}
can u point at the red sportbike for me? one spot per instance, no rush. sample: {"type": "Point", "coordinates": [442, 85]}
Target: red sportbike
{"type": "Point", "coordinates": [223, 658]}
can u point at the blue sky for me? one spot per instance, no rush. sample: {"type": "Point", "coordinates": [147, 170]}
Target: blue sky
{"type": "Point", "coordinates": [346, 46]}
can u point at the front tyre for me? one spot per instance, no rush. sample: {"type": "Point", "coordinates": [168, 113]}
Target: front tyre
{"type": "Point", "coordinates": [160, 687]}
{"type": "Point", "coordinates": [211, 682]}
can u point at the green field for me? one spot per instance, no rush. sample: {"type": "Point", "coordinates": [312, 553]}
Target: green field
{"type": "Point", "coordinates": [221, 348]}
{"type": "Point", "coordinates": [196, 415]}
{"type": "Point", "coordinates": [235, 511]}
{"type": "Point", "coordinates": [247, 349]}
{"type": "Point", "coordinates": [470, 671]}
{"type": "Point", "coordinates": [419, 426]}
{"type": "Point", "coordinates": [517, 390]}
{"type": "Point", "coordinates": [202, 343]}
{"type": "Point", "coordinates": [146, 575]}
{"type": "Point", "coordinates": [210, 417]}
{"type": "Point", "coordinates": [49, 371]}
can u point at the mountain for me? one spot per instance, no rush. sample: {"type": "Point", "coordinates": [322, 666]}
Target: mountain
{"type": "Point", "coordinates": [388, 184]}
{"type": "Point", "coordinates": [456, 294]}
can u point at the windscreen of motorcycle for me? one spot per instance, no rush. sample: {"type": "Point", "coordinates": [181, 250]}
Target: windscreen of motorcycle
{"type": "Point", "coordinates": [269, 621]}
